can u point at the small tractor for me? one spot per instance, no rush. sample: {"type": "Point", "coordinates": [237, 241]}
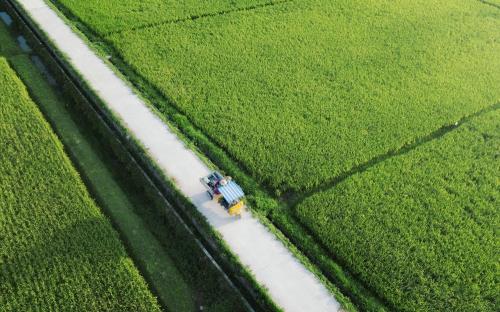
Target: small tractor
{"type": "Point", "coordinates": [225, 191]}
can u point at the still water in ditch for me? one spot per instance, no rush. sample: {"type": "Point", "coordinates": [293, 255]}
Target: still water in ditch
{"type": "Point", "coordinates": [26, 48]}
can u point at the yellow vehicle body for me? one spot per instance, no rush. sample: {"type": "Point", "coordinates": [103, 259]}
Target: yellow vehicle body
{"type": "Point", "coordinates": [236, 209]}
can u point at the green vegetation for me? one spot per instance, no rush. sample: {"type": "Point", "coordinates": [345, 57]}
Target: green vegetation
{"type": "Point", "coordinates": [300, 94]}
{"type": "Point", "coordinates": [182, 279]}
{"type": "Point", "coordinates": [8, 46]}
{"type": "Point", "coordinates": [320, 87]}
{"type": "Point", "coordinates": [422, 228]}
{"type": "Point", "coordinates": [173, 265]}
{"type": "Point", "coordinates": [167, 281]}
{"type": "Point", "coordinates": [495, 3]}
{"type": "Point", "coordinates": [57, 249]}
{"type": "Point", "coordinates": [104, 16]}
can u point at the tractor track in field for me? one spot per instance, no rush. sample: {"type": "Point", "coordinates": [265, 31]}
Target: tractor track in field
{"type": "Point", "coordinates": [197, 17]}
{"type": "Point", "coordinates": [293, 201]}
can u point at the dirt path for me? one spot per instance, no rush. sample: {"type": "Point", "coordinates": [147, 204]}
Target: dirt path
{"type": "Point", "coordinates": [289, 283]}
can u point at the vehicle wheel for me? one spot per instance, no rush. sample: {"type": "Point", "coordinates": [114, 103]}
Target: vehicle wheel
{"type": "Point", "coordinates": [210, 195]}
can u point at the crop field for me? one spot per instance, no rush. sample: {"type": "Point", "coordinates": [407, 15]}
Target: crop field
{"type": "Point", "coordinates": [302, 105]}
{"type": "Point", "coordinates": [112, 16]}
{"type": "Point", "coordinates": [422, 228]}
{"type": "Point", "coordinates": [495, 3]}
{"type": "Point", "coordinates": [315, 100]}
{"type": "Point", "coordinates": [57, 250]}
{"type": "Point", "coordinates": [310, 90]}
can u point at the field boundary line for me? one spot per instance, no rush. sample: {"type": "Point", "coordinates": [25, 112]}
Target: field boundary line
{"type": "Point", "coordinates": [443, 130]}
{"type": "Point", "coordinates": [197, 17]}
{"type": "Point", "coordinates": [490, 3]}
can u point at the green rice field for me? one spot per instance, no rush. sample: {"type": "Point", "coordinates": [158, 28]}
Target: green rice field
{"type": "Point", "coordinates": [308, 90]}
{"type": "Point", "coordinates": [114, 16]}
{"type": "Point", "coordinates": [57, 250]}
{"type": "Point", "coordinates": [422, 228]}
{"type": "Point", "coordinates": [344, 111]}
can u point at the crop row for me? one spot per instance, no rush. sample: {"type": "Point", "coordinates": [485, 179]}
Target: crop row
{"type": "Point", "coordinates": [301, 93]}
{"type": "Point", "coordinates": [422, 228]}
{"type": "Point", "coordinates": [57, 250]}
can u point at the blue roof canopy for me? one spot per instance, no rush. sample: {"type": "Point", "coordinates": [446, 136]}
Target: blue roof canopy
{"type": "Point", "coordinates": [231, 192]}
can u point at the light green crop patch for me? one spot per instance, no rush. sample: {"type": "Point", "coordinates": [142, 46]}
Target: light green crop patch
{"type": "Point", "coordinates": [302, 92]}
{"type": "Point", "coordinates": [57, 251]}
{"type": "Point", "coordinates": [105, 16]}
{"type": "Point", "coordinates": [422, 228]}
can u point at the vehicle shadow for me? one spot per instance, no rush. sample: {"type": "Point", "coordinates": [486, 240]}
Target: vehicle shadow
{"type": "Point", "coordinates": [212, 210]}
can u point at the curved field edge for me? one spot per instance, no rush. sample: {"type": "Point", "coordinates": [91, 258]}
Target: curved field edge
{"type": "Point", "coordinates": [421, 228]}
{"type": "Point", "coordinates": [58, 250]}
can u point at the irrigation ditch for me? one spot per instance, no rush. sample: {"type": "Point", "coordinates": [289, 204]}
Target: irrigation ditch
{"type": "Point", "coordinates": [127, 160]}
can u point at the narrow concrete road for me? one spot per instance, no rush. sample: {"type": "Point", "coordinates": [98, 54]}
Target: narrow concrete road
{"type": "Point", "coordinates": [290, 284]}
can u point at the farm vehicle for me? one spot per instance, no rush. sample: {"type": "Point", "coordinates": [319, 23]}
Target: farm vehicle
{"type": "Point", "coordinates": [225, 191]}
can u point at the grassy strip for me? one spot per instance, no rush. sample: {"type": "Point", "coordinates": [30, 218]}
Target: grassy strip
{"type": "Point", "coordinates": [58, 250]}
{"type": "Point", "coordinates": [222, 252]}
{"type": "Point", "coordinates": [421, 228]}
